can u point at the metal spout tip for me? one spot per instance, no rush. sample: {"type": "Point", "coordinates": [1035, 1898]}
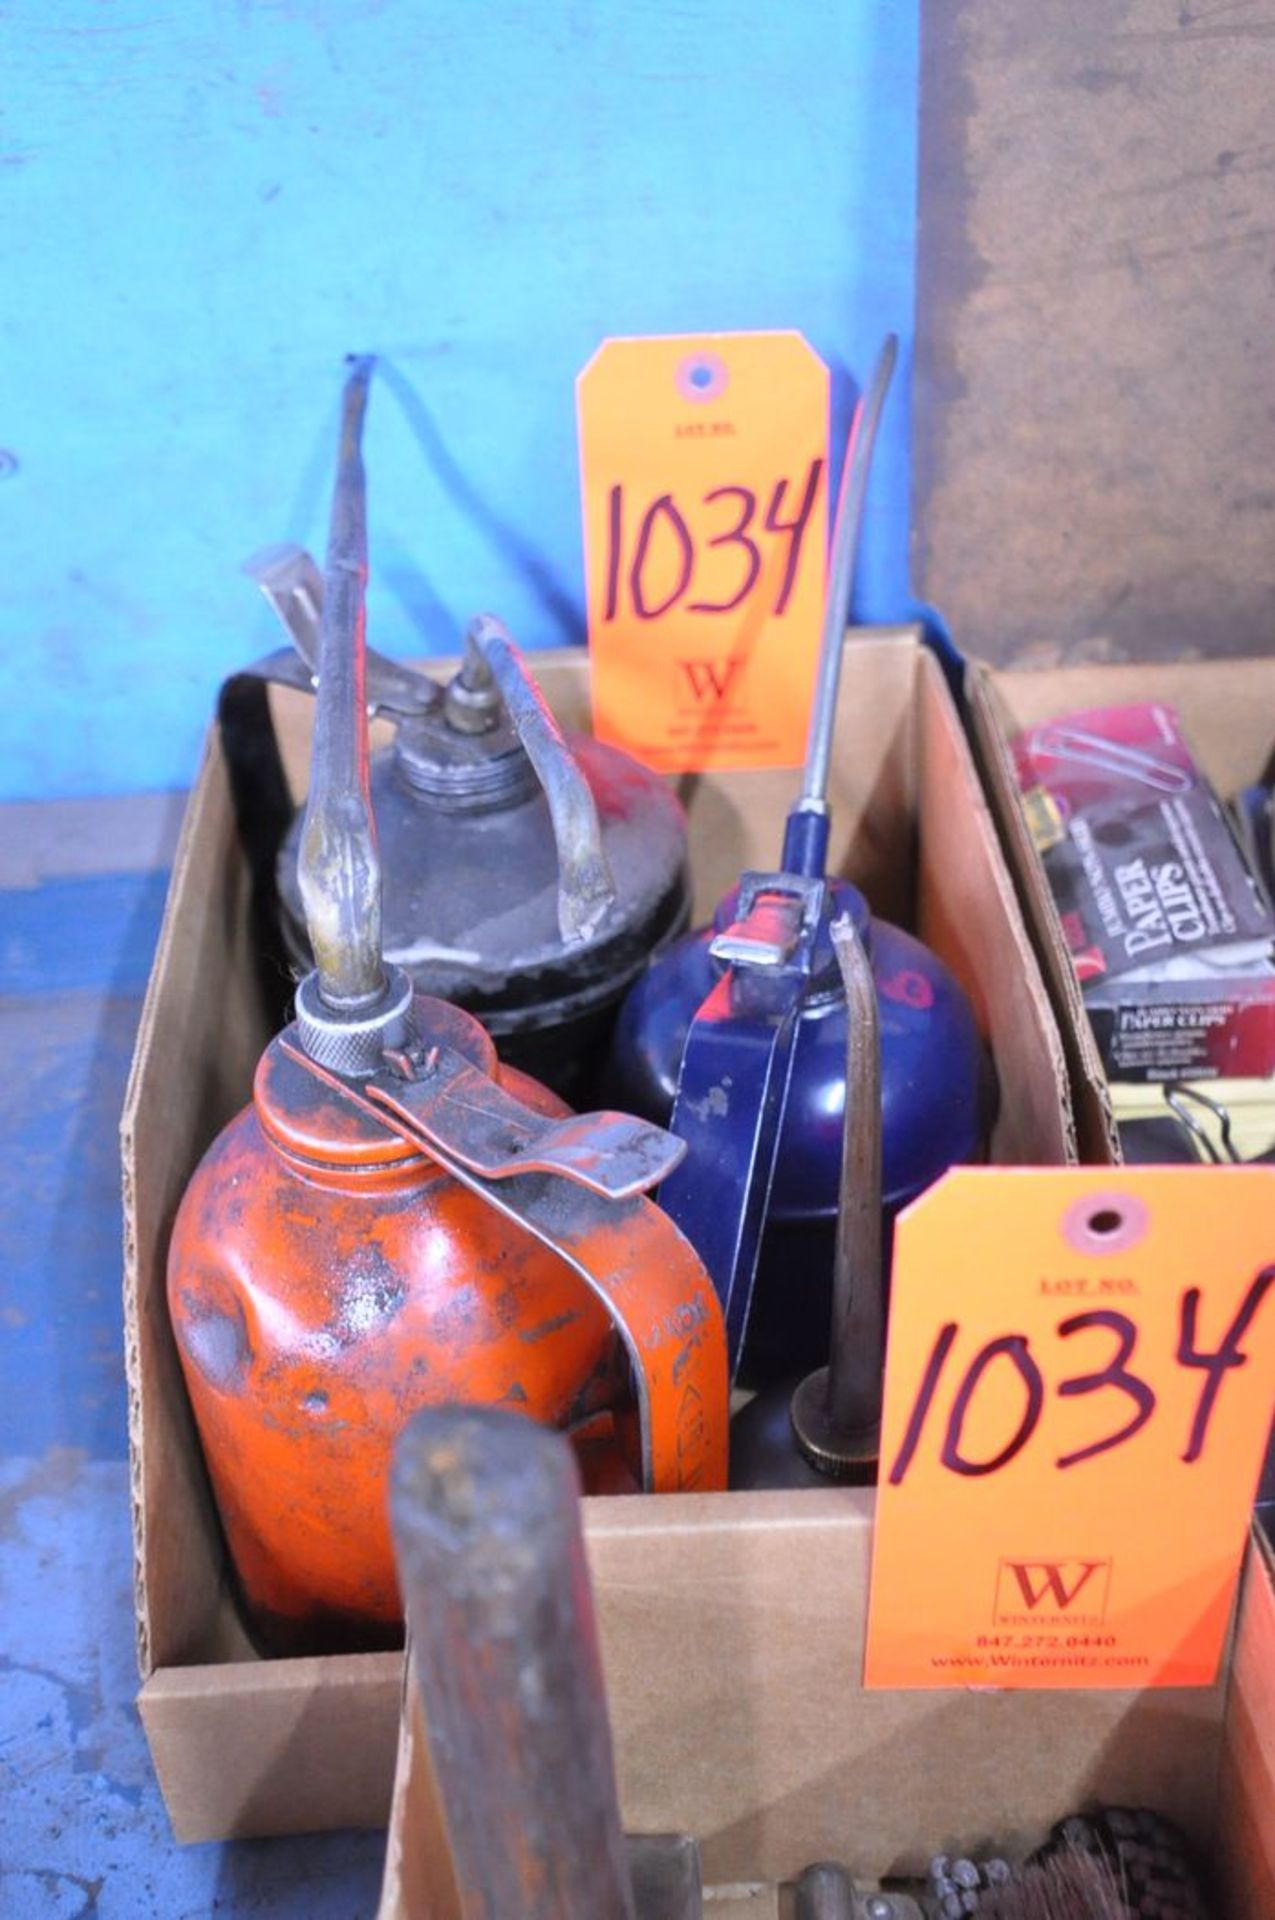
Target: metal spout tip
{"type": "Point", "coordinates": [842, 562]}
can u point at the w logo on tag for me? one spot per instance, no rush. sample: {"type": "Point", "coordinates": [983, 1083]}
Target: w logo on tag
{"type": "Point", "coordinates": [712, 680]}
{"type": "Point", "coordinates": [1036, 1589]}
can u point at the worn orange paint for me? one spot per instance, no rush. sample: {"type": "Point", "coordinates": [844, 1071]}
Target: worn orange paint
{"type": "Point", "coordinates": [325, 1280]}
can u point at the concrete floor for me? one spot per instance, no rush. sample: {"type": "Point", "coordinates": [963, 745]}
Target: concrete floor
{"type": "Point", "coordinates": [83, 1830]}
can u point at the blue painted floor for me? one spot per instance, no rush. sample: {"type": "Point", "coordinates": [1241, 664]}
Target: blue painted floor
{"type": "Point", "coordinates": [83, 1830]}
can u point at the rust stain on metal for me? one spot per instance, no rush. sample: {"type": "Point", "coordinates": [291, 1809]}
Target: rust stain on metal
{"type": "Point", "coordinates": [327, 1278]}
{"type": "Point", "coordinates": [531, 1336]}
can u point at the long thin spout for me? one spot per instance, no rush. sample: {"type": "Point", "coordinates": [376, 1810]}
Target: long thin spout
{"type": "Point", "coordinates": [339, 868]}
{"type": "Point", "coordinates": [806, 836]}
{"type": "Point", "coordinates": [858, 1310]}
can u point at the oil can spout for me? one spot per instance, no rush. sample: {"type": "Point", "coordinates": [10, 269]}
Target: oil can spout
{"type": "Point", "coordinates": [339, 865]}
{"type": "Point", "coordinates": [806, 834]}
{"type": "Point", "coordinates": [836, 1412]}
{"type": "Point", "coordinates": [351, 1007]}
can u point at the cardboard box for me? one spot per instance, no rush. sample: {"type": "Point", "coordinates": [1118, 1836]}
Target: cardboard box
{"type": "Point", "coordinates": [1227, 709]}
{"type": "Point", "coordinates": [244, 1746]}
{"type": "Point", "coordinates": [734, 1678]}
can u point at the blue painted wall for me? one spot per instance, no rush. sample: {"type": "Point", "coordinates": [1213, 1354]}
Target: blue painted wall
{"type": "Point", "coordinates": [205, 208]}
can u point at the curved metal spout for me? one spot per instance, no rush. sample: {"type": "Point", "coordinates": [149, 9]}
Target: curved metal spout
{"type": "Point", "coordinates": [836, 1412]}
{"type": "Point", "coordinates": [339, 867]}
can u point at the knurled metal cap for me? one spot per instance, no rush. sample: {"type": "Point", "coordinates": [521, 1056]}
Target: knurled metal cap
{"type": "Point", "coordinates": [351, 1044]}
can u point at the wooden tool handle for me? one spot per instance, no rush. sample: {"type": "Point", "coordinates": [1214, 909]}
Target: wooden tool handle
{"type": "Point", "coordinates": [485, 1510]}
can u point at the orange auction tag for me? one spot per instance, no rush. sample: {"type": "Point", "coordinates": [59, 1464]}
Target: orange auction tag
{"type": "Point", "coordinates": [1079, 1389]}
{"type": "Point", "coordinates": [703, 463]}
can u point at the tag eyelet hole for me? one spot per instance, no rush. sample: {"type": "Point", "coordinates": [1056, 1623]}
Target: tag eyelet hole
{"type": "Point", "coordinates": [1102, 1224]}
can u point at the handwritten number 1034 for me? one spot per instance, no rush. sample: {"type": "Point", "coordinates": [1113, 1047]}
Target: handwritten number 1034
{"type": "Point", "coordinates": [663, 518]}
{"type": "Point", "coordinates": [1117, 1375]}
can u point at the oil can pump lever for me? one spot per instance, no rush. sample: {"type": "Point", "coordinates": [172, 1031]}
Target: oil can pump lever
{"type": "Point", "coordinates": [494, 673]}
{"type": "Point", "coordinates": [293, 586]}
{"type": "Point", "coordinates": [586, 889]}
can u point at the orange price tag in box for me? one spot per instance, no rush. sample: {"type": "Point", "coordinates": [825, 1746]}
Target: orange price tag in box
{"type": "Point", "coordinates": [1079, 1388]}
{"type": "Point", "coordinates": [704, 462]}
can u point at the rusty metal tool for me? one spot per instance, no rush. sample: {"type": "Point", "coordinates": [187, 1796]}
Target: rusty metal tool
{"type": "Point", "coordinates": [505, 1651]}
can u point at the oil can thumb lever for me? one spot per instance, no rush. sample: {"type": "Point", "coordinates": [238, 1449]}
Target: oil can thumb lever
{"type": "Point", "coordinates": [586, 888]}
{"type": "Point", "coordinates": [461, 1114]}
{"type": "Point", "coordinates": [732, 1086]}
{"type": "Point", "coordinates": [290, 579]}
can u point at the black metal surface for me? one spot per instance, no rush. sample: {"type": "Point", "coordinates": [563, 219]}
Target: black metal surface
{"type": "Point", "coordinates": [263, 813]}
{"type": "Point", "coordinates": [472, 892]}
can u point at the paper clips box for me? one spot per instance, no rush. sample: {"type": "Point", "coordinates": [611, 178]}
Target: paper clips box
{"type": "Point", "coordinates": [1227, 711]}
{"type": "Point", "coordinates": [245, 1746]}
